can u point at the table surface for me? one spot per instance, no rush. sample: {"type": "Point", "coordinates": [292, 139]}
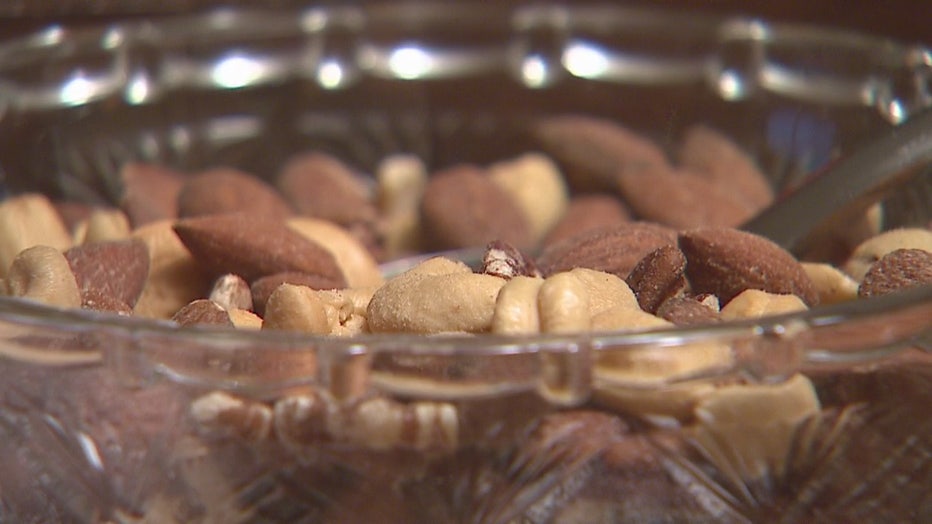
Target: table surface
{"type": "Point", "coordinates": [903, 19]}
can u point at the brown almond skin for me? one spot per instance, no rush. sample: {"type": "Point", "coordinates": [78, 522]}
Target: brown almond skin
{"type": "Point", "coordinates": [201, 312]}
{"type": "Point", "coordinates": [150, 192]}
{"type": "Point", "coordinates": [226, 190]}
{"type": "Point", "coordinates": [687, 311]}
{"type": "Point", "coordinates": [506, 261]}
{"type": "Point", "coordinates": [713, 155]}
{"type": "Point", "coordinates": [263, 288]}
{"type": "Point", "coordinates": [462, 207]}
{"type": "Point", "coordinates": [587, 212]}
{"type": "Point", "coordinates": [116, 269]}
{"type": "Point", "coordinates": [896, 271]}
{"type": "Point", "coordinates": [253, 246]}
{"type": "Point", "coordinates": [725, 261]}
{"type": "Point", "coordinates": [592, 151]}
{"type": "Point", "coordinates": [320, 186]}
{"type": "Point", "coordinates": [97, 301]}
{"type": "Point", "coordinates": [657, 277]}
{"type": "Point", "coordinates": [615, 249]}
{"type": "Point", "coordinates": [680, 199]}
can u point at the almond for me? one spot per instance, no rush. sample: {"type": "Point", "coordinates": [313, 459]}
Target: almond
{"type": "Point", "coordinates": [226, 190]}
{"type": "Point", "coordinates": [462, 207]}
{"type": "Point", "coordinates": [613, 250]}
{"type": "Point", "coordinates": [253, 246]}
{"type": "Point", "coordinates": [592, 151]}
{"type": "Point", "coordinates": [97, 301]}
{"type": "Point", "coordinates": [202, 311]}
{"type": "Point", "coordinates": [657, 277]}
{"type": "Point", "coordinates": [726, 261]}
{"type": "Point", "coordinates": [320, 186]}
{"type": "Point", "coordinates": [898, 270]}
{"type": "Point", "coordinates": [117, 269]}
{"type": "Point", "coordinates": [713, 155]}
{"type": "Point", "coordinates": [587, 212]}
{"type": "Point", "coordinates": [150, 192]}
{"type": "Point", "coordinates": [680, 199]}
{"type": "Point", "coordinates": [687, 311]}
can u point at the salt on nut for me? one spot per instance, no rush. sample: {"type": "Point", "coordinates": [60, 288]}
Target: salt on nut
{"type": "Point", "coordinates": [175, 278]}
{"type": "Point", "coordinates": [874, 248]}
{"type": "Point", "coordinates": [359, 267]}
{"type": "Point", "coordinates": [42, 273]}
{"type": "Point", "coordinates": [750, 429]}
{"type": "Point", "coordinates": [832, 285]}
{"type": "Point", "coordinates": [563, 304]}
{"type": "Point", "coordinates": [296, 308]}
{"type": "Point", "coordinates": [537, 187]}
{"type": "Point", "coordinates": [401, 181]}
{"type": "Point", "coordinates": [220, 413]}
{"type": "Point", "coordinates": [29, 220]}
{"type": "Point", "coordinates": [103, 225]}
{"type": "Point", "coordinates": [438, 295]}
{"type": "Point", "coordinates": [754, 303]}
{"type": "Point", "coordinates": [516, 310]}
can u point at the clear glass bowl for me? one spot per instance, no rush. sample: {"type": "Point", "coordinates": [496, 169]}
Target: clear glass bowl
{"type": "Point", "coordinates": [109, 419]}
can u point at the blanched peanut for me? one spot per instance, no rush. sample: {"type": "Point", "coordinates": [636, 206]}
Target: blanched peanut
{"type": "Point", "coordinates": [537, 186]}
{"type": "Point", "coordinates": [605, 291]}
{"type": "Point", "coordinates": [516, 310]}
{"type": "Point", "coordinates": [42, 273]}
{"type": "Point", "coordinates": [29, 220]}
{"type": "Point", "coordinates": [297, 308]}
{"type": "Point", "coordinates": [876, 247]}
{"type": "Point", "coordinates": [832, 285]}
{"type": "Point", "coordinates": [435, 296]}
{"type": "Point", "coordinates": [401, 182]}
{"type": "Point", "coordinates": [358, 298]}
{"type": "Point", "coordinates": [355, 261]}
{"type": "Point", "coordinates": [244, 319]}
{"type": "Point", "coordinates": [754, 303]}
{"type": "Point", "coordinates": [175, 278]}
{"type": "Point", "coordinates": [101, 226]}
{"type": "Point", "coordinates": [563, 304]}
{"type": "Point", "coordinates": [750, 429]}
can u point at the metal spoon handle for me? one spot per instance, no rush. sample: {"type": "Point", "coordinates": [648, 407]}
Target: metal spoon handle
{"type": "Point", "coordinates": [849, 186]}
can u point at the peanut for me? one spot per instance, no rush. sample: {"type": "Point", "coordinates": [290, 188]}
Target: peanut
{"type": "Point", "coordinates": [42, 273]}
{"type": "Point", "coordinates": [537, 186]}
{"type": "Point", "coordinates": [297, 308]}
{"type": "Point", "coordinates": [832, 285]}
{"type": "Point", "coordinates": [754, 303]}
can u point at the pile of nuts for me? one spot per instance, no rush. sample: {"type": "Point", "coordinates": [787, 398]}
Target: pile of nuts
{"type": "Point", "coordinates": [625, 239]}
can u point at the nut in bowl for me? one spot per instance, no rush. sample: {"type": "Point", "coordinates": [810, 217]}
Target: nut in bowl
{"type": "Point", "coordinates": [225, 300]}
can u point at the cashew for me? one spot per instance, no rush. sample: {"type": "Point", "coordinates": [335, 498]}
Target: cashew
{"type": "Point", "coordinates": [175, 278]}
{"type": "Point", "coordinates": [435, 296]}
{"type": "Point", "coordinates": [29, 220]}
{"type": "Point", "coordinates": [563, 304]}
{"type": "Point", "coordinates": [754, 303]}
{"type": "Point", "coordinates": [676, 401]}
{"type": "Point", "coordinates": [606, 291]}
{"type": "Point", "coordinates": [516, 307]}
{"type": "Point", "coordinates": [874, 248]}
{"type": "Point", "coordinates": [102, 225]}
{"type": "Point", "coordinates": [625, 317]}
{"type": "Point", "coordinates": [356, 262]}
{"type": "Point", "coordinates": [832, 285]}
{"type": "Point", "coordinates": [537, 187]}
{"type": "Point", "coordinates": [401, 182]}
{"type": "Point", "coordinates": [297, 308]}
{"type": "Point", "coordinates": [750, 429]}
{"type": "Point", "coordinates": [42, 273]}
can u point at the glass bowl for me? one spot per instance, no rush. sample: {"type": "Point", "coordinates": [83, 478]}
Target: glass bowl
{"type": "Point", "coordinates": [115, 419]}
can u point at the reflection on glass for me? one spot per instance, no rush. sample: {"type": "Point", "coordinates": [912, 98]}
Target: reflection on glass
{"type": "Point", "coordinates": [585, 60]}
{"type": "Point", "coordinates": [409, 62]}
{"type": "Point", "coordinates": [76, 91]}
{"type": "Point", "coordinates": [330, 74]}
{"type": "Point", "coordinates": [236, 71]}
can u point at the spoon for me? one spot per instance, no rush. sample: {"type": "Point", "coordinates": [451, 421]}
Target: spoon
{"type": "Point", "coordinates": [848, 187]}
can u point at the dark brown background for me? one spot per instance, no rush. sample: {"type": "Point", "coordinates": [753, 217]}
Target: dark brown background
{"type": "Point", "coordinates": [904, 19]}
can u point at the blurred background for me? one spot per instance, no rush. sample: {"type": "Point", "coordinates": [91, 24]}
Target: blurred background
{"type": "Point", "coordinates": [904, 19]}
